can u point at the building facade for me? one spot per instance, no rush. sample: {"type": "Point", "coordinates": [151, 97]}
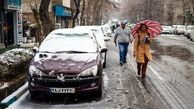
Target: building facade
{"type": "Point", "coordinates": [60, 12]}
{"type": "Point", "coordinates": [63, 14]}
{"type": "Point", "coordinates": [10, 22]}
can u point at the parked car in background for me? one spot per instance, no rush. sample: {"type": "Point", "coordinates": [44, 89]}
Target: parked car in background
{"type": "Point", "coordinates": [131, 26]}
{"type": "Point", "coordinates": [65, 63]}
{"type": "Point", "coordinates": [107, 30]}
{"type": "Point", "coordinates": [179, 29]}
{"type": "Point", "coordinates": [188, 31]}
{"type": "Point", "coordinates": [192, 35]}
{"type": "Point", "coordinates": [100, 37]}
{"type": "Point", "coordinates": [167, 30]}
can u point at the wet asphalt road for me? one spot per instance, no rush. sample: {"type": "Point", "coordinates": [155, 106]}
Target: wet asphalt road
{"type": "Point", "coordinates": [174, 64]}
{"type": "Point", "coordinates": [169, 83]}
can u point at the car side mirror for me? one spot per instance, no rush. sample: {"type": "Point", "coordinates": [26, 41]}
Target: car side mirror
{"type": "Point", "coordinates": [35, 50]}
{"type": "Point", "coordinates": [104, 50]}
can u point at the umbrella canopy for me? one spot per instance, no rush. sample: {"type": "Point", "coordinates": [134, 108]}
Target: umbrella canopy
{"type": "Point", "coordinates": [154, 28]}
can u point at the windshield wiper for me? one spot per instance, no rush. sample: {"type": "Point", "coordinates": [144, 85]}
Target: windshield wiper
{"type": "Point", "coordinates": [46, 52]}
{"type": "Point", "coordinates": [71, 52]}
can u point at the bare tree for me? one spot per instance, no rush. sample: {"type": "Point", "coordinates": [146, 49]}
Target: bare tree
{"type": "Point", "coordinates": [170, 12]}
{"type": "Point", "coordinates": [75, 16]}
{"type": "Point", "coordinates": [82, 12]}
{"type": "Point", "coordinates": [96, 11]}
{"type": "Point", "coordinates": [44, 16]}
{"type": "Point", "coordinates": [40, 10]}
{"type": "Point", "coordinates": [34, 6]}
{"type": "Point", "coordinates": [93, 12]}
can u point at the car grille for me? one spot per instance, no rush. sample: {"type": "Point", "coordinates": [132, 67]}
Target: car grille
{"type": "Point", "coordinates": [69, 81]}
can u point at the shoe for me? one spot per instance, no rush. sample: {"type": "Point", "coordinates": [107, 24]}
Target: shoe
{"type": "Point", "coordinates": [143, 76]}
{"type": "Point", "coordinates": [138, 76]}
{"type": "Point", "coordinates": [138, 73]}
{"type": "Point", "coordinates": [121, 63]}
{"type": "Point", "coordinates": [125, 61]}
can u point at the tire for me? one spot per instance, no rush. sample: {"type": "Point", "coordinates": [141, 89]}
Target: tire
{"type": "Point", "coordinates": [104, 64]}
{"type": "Point", "coordinates": [34, 94]}
{"type": "Point", "coordinates": [99, 93]}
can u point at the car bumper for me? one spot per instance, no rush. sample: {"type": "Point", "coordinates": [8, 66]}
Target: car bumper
{"type": "Point", "coordinates": [88, 84]}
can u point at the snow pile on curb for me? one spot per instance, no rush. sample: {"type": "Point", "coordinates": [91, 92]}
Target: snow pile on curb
{"type": "Point", "coordinates": [12, 60]}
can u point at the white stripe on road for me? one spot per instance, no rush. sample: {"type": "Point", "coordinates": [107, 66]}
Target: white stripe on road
{"type": "Point", "coordinates": [155, 72]}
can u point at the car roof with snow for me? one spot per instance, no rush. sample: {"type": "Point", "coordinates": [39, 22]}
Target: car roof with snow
{"type": "Point", "coordinates": [90, 27]}
{"type": "Point", "coordinates": [69, 39]}
{"type": "Point", "coordinates": [96, 29]}
{"type": "Point", "coordinates": [69, 31]}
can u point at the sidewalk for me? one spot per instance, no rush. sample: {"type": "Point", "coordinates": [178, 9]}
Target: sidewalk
{"type": "Point", "coordinates": [141, 94]}
{"type": "Point", "coordinates": [28, 45]}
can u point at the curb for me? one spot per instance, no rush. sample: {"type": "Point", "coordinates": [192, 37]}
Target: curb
{"type": "Point", "coordinates": [14, 96]}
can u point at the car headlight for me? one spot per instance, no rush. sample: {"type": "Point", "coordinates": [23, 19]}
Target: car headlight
{"type": "Point", "coordinates": [34, 71]}
{"type": "Point", "coordinates": [90, 72]}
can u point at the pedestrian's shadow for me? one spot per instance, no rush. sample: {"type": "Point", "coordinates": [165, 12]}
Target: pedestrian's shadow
{"type": "Point", "coordinates": [145, 83]}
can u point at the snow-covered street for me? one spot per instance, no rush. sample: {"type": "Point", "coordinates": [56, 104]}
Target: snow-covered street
{"type": "Point", "coordinates": [163, 88]}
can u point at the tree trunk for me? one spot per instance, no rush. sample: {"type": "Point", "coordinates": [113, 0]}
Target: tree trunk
{"type": "Point", "coordinates": [82, 13]}
{"type": "Point", "coordinates": [44, 16]}
{"type": "Point", "coordinates": [96, 13]}
{"type": "Point", "coordinates": [36, 14]}
{"type": "Point", "coordinates": [77, 4]}
{"type": "Point", "coordinates": [89, 12]}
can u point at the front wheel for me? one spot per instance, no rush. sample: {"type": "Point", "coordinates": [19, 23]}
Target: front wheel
{"type": "Point", "coordinates": [99, 93]}
{"type": "Point", "coordinates": [34, 94]}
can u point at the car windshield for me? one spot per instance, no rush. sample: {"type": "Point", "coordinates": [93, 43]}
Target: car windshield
{"type": "Point", "coordinates": [69, 43]}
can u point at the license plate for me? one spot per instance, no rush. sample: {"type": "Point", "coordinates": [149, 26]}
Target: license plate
{"type": "Point", "coordinates": [62, 90]}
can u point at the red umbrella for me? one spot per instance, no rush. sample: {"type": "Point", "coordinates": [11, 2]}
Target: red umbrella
{"type": "Point", "coordinates": [154, 28]}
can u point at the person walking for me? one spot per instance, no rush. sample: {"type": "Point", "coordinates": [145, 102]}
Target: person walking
{"type": "Point", "coordinates": [122, 37]}
{"type": "Point", "coordinates": [141, 50]}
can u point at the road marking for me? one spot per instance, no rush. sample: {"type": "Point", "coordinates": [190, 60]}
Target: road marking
{"type": "Point", "coordinates": [155, 72]}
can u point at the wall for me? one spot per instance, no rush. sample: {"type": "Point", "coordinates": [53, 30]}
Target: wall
{"type": "Point", "coordinates": [66, 3]}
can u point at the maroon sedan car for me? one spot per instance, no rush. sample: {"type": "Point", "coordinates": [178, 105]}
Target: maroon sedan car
{"type": "Point", "coordinates": [67, 61]}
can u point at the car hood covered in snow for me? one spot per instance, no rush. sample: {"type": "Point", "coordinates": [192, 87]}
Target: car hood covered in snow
{"type": "Point", "coordinates": [69, 64]}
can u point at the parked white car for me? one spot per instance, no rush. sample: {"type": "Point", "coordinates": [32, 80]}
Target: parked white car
{"type": "Point", "coordinates": [97, 31]}
{"type": "Point", "coordinates": [188, 31]}
{"type": "Point", "coordinates": [179, 29]}
{"type": "Point", "coordinates": [167, 30]}
{"type": "Point", "coordinates": [131, 26]}
{"type": "Point", "coordinates": [192, 35]}
{"type": "Point", "coordinates": [65, 63]}
{"type": "Point", "coordinates": [107, 30]}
